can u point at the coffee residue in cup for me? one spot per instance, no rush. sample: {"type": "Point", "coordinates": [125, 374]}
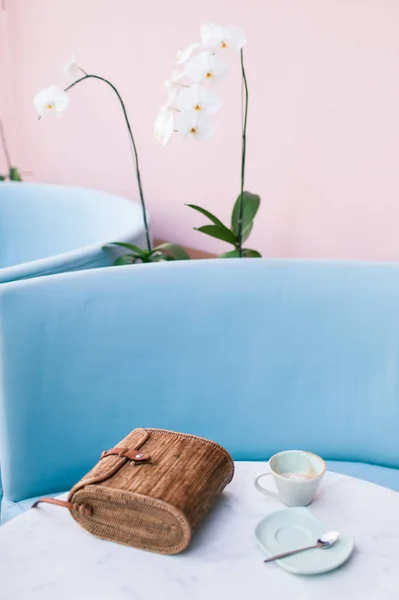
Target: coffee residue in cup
{"type": "Point", "coordinates": [299, 476]}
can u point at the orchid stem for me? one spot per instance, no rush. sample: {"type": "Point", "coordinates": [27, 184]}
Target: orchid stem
{"type": "Point", "coordinates": [88, 76]}
{"type": "Point", "coordinates": [244, 150]}
{"type": "Point", "coordinates": [4, 142]}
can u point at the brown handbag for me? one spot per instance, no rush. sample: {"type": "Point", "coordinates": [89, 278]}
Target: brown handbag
{"type": "Point", "coordinates": [152, 490]}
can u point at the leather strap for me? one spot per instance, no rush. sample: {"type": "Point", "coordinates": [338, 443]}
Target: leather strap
{"type": "Point", "coordinates": [136, 456]}
{"type": "Point", "coordinates": [86, 510]}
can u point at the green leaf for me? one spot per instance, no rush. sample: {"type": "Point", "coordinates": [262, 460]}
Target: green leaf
{"type": "Point", "coordinates": [218, 230]}
{"type": "Point", "coordinates": [231, 254]}
{"type": "Point", "coordinates": [176, 251]}
{"type": "Point", "coordinates": [126, 259]}
{"type": "Point", "coordinates": [132, 247]}
{"type": "Point", "coordinates": [247, 232]}
{"type": "Point", "coordinates": [221, 233]}
{"type": "Point", "coordinates": [14, 174]}
{"type": "Point", "coordinates": [161, 258]}
{"type": "Point", "coordinates": [250, 208]}
{"type": "Point", "coordinates": [248, 253]}
{"type": "Point", "coordinates": [2, 177]}
{"type": "Point", "coordinates": [210, 216]}
{"type": "Point", "coordinates": [147, 256]}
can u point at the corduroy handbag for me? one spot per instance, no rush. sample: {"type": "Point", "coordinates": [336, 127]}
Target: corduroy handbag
{"type": "Point", "coordinates": [152, 490]}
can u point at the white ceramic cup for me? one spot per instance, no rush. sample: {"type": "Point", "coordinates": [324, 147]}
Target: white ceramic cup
{"type": "Point", "coordinates": [297, 475]}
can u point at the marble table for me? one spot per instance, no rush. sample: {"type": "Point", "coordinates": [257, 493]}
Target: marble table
{"type": "Point", "coordinates": [45, 555]}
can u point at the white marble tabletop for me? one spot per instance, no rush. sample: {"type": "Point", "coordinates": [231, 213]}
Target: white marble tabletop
{"type": "Point", "coordinates": [46, 555]}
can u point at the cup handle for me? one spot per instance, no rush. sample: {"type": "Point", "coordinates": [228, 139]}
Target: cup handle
{"type": "Point", "coordinates": [262, 489]}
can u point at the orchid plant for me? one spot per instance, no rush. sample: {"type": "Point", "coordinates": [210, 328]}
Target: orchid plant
{"type": "Point", "coordinates": [54, 100]}
{"type": "Point", "coordinates": [189, 110]}
{"type": "Point", "coordinates": [13, 173]}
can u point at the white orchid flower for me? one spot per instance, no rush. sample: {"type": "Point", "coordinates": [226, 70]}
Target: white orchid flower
{"type": "Point", "coordinates": [72, 69]}
{"type": "Point", "coordinates": [197, 98]}
{"type": "Point", "coordinates": [173, 85]}
{"type": "Point", "coordinates": [164, 125]}
{"type": "Point", "coordinates": [206, 66]}
{"type": "Point", "coordinates": [51, 100]}
{"type": "Point", "coordinates": [216, 37]}
{"type": "Point", "coordinates": [172, 99]}
{"type": "Point", "coordinates": [197, 125]}
{"type": "Point", "coordinates": [183, 55]}
{"type": "Point", "coordinates": [174, 79]}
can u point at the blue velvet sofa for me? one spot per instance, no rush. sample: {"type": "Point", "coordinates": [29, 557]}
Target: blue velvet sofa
{"type": "Point", "coordinates": [259, 355]}
{"type": "Point", "coordinates": [47, 229]}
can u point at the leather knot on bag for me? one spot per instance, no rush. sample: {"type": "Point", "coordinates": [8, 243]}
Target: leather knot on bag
{"type": "Point", "coordinates": [137, 457]}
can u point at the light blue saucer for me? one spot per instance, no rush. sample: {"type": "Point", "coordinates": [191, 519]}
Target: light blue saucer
{"type": "Point", "coordinates": [295, 528]}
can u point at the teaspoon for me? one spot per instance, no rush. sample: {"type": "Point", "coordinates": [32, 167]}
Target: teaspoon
{"type": "Point", "coordinates": [325, 541]}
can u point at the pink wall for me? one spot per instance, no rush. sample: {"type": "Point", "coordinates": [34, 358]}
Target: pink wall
{"type": "Point", "coordinates": [323, 126]}
{"type": "Point", "coordinates": [6, 85]}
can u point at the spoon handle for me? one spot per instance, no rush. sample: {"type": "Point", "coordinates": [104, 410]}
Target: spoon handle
{"type": "Point", "coordinates": [290, 553]}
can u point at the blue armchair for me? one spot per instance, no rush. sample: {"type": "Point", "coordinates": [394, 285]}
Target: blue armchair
{"type": "Point", "coordinates": [46, 229]}
{"type": "Point", "coordinates": [258, 355]}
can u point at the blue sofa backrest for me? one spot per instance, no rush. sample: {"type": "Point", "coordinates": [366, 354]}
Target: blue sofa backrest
{"type": "Point", "coordinates": [258, 355]}
{"type": "Point", "coordinates": [41, 220]}
{"type": "Point", "coordinates": [54, 228]}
